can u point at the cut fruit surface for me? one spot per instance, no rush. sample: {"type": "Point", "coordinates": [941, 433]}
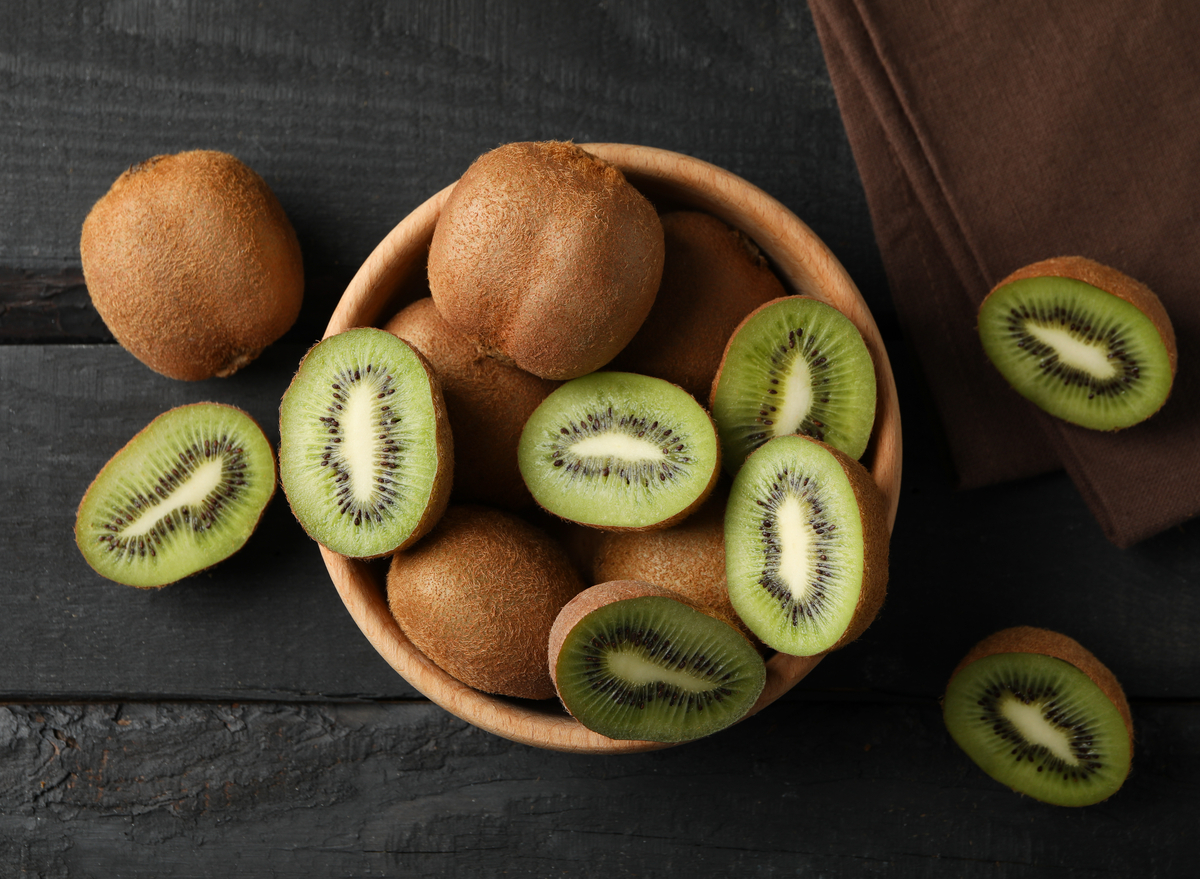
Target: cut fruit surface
{"type": "Point", "coordinates": [618, 450]}
{"type": "Point", "coordinates": [365, 453]}
{"type": "Point", "coordinates": [631, 661]}
{"type": "Point", "coordinates": [1102, 360]}
{"type": "Point", "coordinates": [182, 495]}
{"type": "Point", "coordinates": [806, 546]}
{"type": "Point", "coordinates": [794, 366]}
{"type": "Point", "coordinates": [1039, 724]}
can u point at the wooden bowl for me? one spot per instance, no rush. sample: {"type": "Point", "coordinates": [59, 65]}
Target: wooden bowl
{"type": "Point", "coordinates": [394, 274]}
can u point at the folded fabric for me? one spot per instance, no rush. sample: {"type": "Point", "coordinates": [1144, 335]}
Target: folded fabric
{"type": "Point", "coordinates": [993, 135]}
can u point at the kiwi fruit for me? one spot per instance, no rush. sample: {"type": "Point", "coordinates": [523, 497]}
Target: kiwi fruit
{"type": "Point", "coordinates": [192, 264]}
{"type": "Point", "coordinates": [1082, 341]}
{"type": "Point", "coordinates": [185, 493]}
{"type": "Point", "coordinates": [806, 546]}
{"type": "Point", "coordinates": [634, 661]}
{"type": "Point", "coordinates": [615, 450]}
{"type": "Point", "coordinates": [713, 276]}
{"type": "Point", "coordinates": [366, 457]}
{"type": "Point", "coordinates": [794, 366]}
{"type": "Point", "coordinates": [688, 558]}
{"type": "Point", "coordinates": [1039, 713]}
{"type": "Point", "coordinates": [546, 256]}
{"type": "Point", "coordinates": [478, 596]}
{"type": "Point", "coordinates": [488, 403]}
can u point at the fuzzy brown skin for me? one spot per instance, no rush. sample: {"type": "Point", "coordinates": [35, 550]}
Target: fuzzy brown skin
{"type": "Point", "coordinates": [713, 276]}
{"type": "Point", "coordinates": [546, 256]}
{"type": "Point", "coordinates": [192, 264]}
{"type": "Point", "coordinates": [873, 507]}
{"type": "Point", "coordinates": [687, 558]}
{"type": "Point", "coordinates": [1028, 639]}
{"type": "Point", "coordinates": [479, 595]}
{"type": "Point", "coordinates": [1109, 280]}
{"type": "Point", "coordinates": [488, 402]}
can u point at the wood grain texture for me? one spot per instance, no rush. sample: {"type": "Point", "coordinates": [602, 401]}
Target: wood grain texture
{"type": "Point", "coordinates": [357, 117]}
{"type": "Point", "coordinates": [821, 788]}
{"type": "Point", "coordinates": [963, 565]}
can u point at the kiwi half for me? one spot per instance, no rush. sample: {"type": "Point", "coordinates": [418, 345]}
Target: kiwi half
{"type": "Point", "coordinates": [634, 661]}
{"type": "Point", "coordinates": [1082, 341]}
{"type": "Point", "coordinates": [806, 544]}
{"type": "Point", "coordinates": [365, 452]}
{"type": "Point", "coordinates": [1039, 713]}
{"type": "Point", "coordinates": [616, 450]}
{"type": "Point", "coordinates": [794, 366]}
{"type": "Point", "coordinates": [185, 493]}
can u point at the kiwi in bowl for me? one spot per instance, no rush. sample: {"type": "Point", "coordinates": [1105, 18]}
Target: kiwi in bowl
{"type": "Point", "coordinates": [394, 275]}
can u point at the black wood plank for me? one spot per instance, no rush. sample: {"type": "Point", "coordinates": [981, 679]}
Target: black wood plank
{"type": "Point", "coordinates": [355, 118]}
{"type": "Point", "coordinates": [267, 622]}
{"type": "Point", "coordinates": [817, 788]}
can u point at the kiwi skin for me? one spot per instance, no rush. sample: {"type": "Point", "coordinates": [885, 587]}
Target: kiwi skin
{"type": "Point", "coordinates": [192, 264]}
{"type": "Point", "coordinates": [713, 276]}
{"type": "Point", "coordinates": [688, 558]}
{"type": "Point", "coordinates": [546, 256]}
{"type": "Point", "coordinates": [479, 595]}
{"type": "Point", "coordinates": [487, 402]}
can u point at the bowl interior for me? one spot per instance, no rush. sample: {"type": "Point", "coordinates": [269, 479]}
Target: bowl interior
{"type": "Point", "coordinates": [394, 275]}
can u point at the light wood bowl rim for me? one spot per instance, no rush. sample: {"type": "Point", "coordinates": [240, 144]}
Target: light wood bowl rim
{"type": "Point", "coordinates": [804, 264]}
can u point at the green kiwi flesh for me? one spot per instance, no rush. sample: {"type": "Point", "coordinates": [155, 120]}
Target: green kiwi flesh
{"type": "Point", "coordinates": [1079, 352]}
{"type": "Point", "coordinates": [794, 366]}
{"type": "Point", "coordinates": [805, 546]}
{"type": "Point", "coordinates": [365, 455]}
{"type": "Point", "coordinates": [1039, 725]}
{"type": "Point", "coordinates": [644, 665]}
{"type": "Point", "coordinates": [616, 450]}
{"type": "Point", "coordinates": [185, 493]}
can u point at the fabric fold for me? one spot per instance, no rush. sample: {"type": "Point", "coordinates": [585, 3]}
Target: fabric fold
{"type": "Point", "coordinates": [989, 136]}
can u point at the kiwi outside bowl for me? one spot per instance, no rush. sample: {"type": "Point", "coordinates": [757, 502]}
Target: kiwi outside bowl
{"type": "Point", "coordinates": [394, 274]}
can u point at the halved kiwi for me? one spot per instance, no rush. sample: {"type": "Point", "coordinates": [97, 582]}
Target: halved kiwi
{"type": "Point", "coordinates": [806, 546]}
{"type": "Point", "coordinates": [794, 366]}
{"type": "Point", "coordinates": [365, 453]}
{"type": "Point", "coordinates": [635, 661]}
{"type": "Point", "coordinates": [1082, 341]}
{"type": "Point", "coordinates": [616, 450]}
{"type": "Point", "coordinates": [185, 493]}
{"type": "Point", "coordinates": [1039, 713]}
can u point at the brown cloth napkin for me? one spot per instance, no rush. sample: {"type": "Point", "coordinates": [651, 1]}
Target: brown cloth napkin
{"type": "Point", "coordinates": [990, 135]}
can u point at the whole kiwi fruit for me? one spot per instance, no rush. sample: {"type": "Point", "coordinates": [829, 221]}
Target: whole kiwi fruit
{"type": "Point", "coordinates": [192, 264]}
{"type": "Point", "coordinates": [547, 256]}
{"type": "Point", "coordinates": [479, 594]}
{"type": "Point", "coordinates": [713, 276]}
{"type": "Point", "coordinates": [487, 401]}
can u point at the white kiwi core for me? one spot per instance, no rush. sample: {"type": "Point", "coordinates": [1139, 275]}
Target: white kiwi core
{"type": "Point", "coordinates": [1088, 357]}
{"type": "Point", "coordinates": [797, 399]}
{"type": "Point", "coordinates": [360, 443]}
{"type": "Point", "coordinates": [1030, 721]}
{"type": "Point", "coordinates": [795, 536]}
{"type": "Point", "coordinates": [618, 445]}
{"type": "Point", "coordinates": [191, 493]}
{"type": "Point", "coordinates": [635, 670]}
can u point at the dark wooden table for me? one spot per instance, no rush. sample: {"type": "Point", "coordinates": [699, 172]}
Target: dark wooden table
{"type": "Point", "coordinates": [238, 723]}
